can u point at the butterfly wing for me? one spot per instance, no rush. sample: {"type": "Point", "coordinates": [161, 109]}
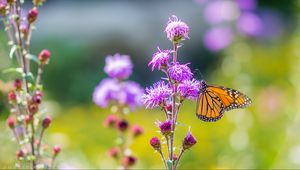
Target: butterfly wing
{"type": "Point", "coordinates": [215, 100]}
{"type": "Point", "coordinates": [209, 106]}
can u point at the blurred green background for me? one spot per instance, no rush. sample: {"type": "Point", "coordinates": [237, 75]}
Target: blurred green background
{"type": "Point", "coordinates": [80, 34]}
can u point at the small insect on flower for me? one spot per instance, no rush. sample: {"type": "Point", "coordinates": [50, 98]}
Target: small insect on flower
{"type": "Point", "coordinates": [213, 101]}
{"type": "Point", "coordinates": [177, 30]}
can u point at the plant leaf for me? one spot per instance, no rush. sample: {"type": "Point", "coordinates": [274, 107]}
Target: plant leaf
{"type": "Point", "coordinates": [169, 164]}
{"type": "Point", "coordinates": [33, 58]}
{"type": "Point", "coordinates": [11, 70]}
{"type": "Point", "coordinates": [12, 51]}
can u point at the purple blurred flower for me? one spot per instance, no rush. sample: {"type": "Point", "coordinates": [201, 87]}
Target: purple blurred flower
{"type": "Point", "coordinates": [133, 94]}
{"type": "Point", "coordinates": [188, 141]}
{"type": "Point", "coordinates": [126, 93]}
{"type": "Point", "coordinates": [176, 30]}
{"type": "Point", "coordinates": [106, 91]}
{"type": "Point", "coordinates": [218, 38]}
{"type": "Point", "coordinates": [250, 24]}
{"type": "Point", "coordinates": [118, 66]}
{"type": "Point", "coordinates": [180, 72]}
{"type": "Point", "coordinates": [156, 95]}
{"type": "Point", "coordinates": [273, 23]}
{"type": "Point", "coordinates": [189, 89]}
{"type": "Point", "coordinates": [155, 143]}
{"type": "Point", "coordinates": [165, 127]}
{"type": "Point", "coordinates": [247, 4]}
{"type": "Point", "coordinates": [160, 59]}
{"type": "Point", "coordinates": [219, 11]}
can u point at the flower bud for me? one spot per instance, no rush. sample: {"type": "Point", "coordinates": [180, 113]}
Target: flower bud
{"type": "Point", "coordinates": [165, 127]}
{"type": "Point", "coordinates": [12, 97]}
{"type": "Point", "coordinates": [19, 154]}
{"type": "Point", "coordinates": [169, 107]}
{"type": "Point", "coordinates": [33, 107]}
{"type": "Point", "coordinates": [24, 30]}
{"type": "Point", "coordinates": [122, 125]}
{"type": "Point", "coordinates": [11, 122]}
{"type": "Point", "coordinates": [175, 157]}
{"type": "Point", "coordinates": [188, 141]}
{"type": "Point", "coordinates": [28, 118]}
{"type": "Point", "coordinates": [18, 84]}
{"type": "Point", "coordinates": [114, 152]}
{"type": "Point", "coordinates": [137, 130]}
{"type": "Point", "coordinates": [46, 122]}
{"type": "Point", "coordinates": [44, 56]}
{"type": "Point", "coordinates": [129, 161]}
{"type": "Point", "coordinates": [37, 97]}
{"type": "Point", "coordinates": [32, 15]}
{"type": "Point", "coordinates": [155, 143]}
{"type": "Point", "coordinates": [110, 121]}
{"type": "Point", "coordinates": [56, 150]}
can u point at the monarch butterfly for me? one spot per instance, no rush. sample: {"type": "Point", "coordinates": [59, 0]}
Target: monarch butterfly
{"type": "Point", "coordinates": [213, 101]}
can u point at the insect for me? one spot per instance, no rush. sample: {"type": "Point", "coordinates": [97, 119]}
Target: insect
{"type": "Point", "coordinates": [213, 101]}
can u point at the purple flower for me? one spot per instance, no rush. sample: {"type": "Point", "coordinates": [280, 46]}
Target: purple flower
{"type": "Point", "coordinates": [218, 38]}
{"type": "Point", "coordinates": [176, 30]}
{"type": "Point", "coordinates": [165, 127]}
{"type": "Point", "coordinates": [156, 95]}
{"type": "Point", "coordinates": [106, 91]}
{"type": "Point", "coordinates": [118, 66]}
{"type": "Point", "coordinates": [155, 143]}
{"type": "Point", "coordinates": [219, 11]}
{"type": "Point", "coordinates": [160, 59]}
{"type": "Point", "coordinates": [126, 93]}
{"type": "Point", "coordinates": [247, 4]}
{"type": "Point", "coordinates": [189, 89]}
{"type": "Point", "coordinates": [250, 24]}
{"type": "Point", "coordinates": [132, 94]}
{"type": "Point", "coordinates": [180, 72]}
{"type": "Point", "coordinates": [188, 141]}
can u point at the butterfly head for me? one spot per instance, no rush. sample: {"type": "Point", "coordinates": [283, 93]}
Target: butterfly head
{"type": "Point", "coordinates": [202, 86]}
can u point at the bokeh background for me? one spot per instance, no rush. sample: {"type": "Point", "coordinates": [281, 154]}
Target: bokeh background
{"type": "Point", "coordinates": [252, 46]}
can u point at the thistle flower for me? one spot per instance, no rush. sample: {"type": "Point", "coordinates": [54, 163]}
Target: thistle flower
{"type": "Point", "coordinates": [248, 18]}
{"type": "Point", "coordinates": [176, 30]}
{"type": "Point", "coordinates": [11, 96]}
{"type": "Point", "coordinates": [156, 95]}
{"type": "Point", "coordinates": [37, 97]}
{"type": "Point", "coordinates": [137, 130]}
{"type": "Point", "coordinates": [165, 127]}
{"type": "Point", "coordinates": [155, 143]}
{"type": "Point", "coordinates": [180, 72]}
{"type": "Point", "coordinates": [160, 59]}
{"type": "Point", "coordinates": [188, 141]}
{"type": "Point", "coordinates": [189, 89]}
{"type": "Point", "coordinates": [218, 38]}
{"type": "Point", "coordinates": [118, 66]}
{"type": "Point", "coordinates": [20, 154]}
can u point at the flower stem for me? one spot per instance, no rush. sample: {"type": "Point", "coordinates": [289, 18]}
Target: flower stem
{"type": "Point", "coordinates": [181, 153]}
{"type": "Point", "coordinates": [163, 159]}
{"type": "Point", "coordinates": [32, 145]}
{"type": "Point", "coordinates": [40, 141]}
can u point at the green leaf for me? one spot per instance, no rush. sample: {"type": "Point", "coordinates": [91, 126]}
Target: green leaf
{"type": "Point", "coordinates": [29, 76]}
{"type": "Point", "coordinates": [13, 70]}
{"type": "Point", "coordinates": [12, 51]}
{"type": "Point", "coordinates": [33, 58]}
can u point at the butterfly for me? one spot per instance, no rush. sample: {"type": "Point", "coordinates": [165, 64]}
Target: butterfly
{"type": "Point", "coordinates": [213, 101]}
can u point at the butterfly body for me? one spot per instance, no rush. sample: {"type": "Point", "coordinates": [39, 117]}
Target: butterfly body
{"type": "Point", "coordinates": [213, 101]}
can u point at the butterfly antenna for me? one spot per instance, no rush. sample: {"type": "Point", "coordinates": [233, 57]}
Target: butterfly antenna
{"type": "Point", "coordinates": [197, 71]}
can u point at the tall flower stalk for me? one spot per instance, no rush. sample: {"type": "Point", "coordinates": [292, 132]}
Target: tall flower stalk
{"type": "Point", "coordinates": [124, 96]}
{"type": "Point", "coordinates": [170, 93]}
{"type": "Point", "coordinates": [27, 119]}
